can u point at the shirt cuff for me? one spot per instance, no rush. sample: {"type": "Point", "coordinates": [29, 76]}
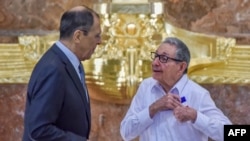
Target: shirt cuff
{"type": "Point", "coordinates": [144, 117]}
{"type": "Point", "coordinates": [201, 121]}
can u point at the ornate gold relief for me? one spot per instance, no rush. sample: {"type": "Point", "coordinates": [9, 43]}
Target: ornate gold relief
{"type": "Point", "coordinates": [34, 46]}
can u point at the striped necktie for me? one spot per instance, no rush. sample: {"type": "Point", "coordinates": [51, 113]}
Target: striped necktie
{"type": "Point", "coordinates": [81, 71]}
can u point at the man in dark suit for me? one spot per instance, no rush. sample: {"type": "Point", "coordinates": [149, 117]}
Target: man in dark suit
{"type": "Point", "coordinates": [57, 104]}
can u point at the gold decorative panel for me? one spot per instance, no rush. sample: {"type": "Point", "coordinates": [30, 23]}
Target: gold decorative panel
{"type": "Point", "coordinates": [122, 61]}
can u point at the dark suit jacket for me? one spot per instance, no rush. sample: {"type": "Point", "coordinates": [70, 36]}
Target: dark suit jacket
{"type": "Point", "coordinates": [56, 105]}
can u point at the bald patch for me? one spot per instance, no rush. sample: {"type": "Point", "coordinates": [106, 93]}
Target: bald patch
{"type": "Point", "coordinates": [78, 8]}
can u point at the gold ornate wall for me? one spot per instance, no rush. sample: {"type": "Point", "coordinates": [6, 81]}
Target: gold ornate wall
{"type": "Point", "coordinates": [130, 32]}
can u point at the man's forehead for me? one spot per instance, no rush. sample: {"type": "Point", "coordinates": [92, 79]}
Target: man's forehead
{"type": "Point", "coordinates": [166, 48]}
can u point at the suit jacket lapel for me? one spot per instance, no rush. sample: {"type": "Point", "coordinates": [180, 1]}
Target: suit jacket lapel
{"type": "Point", "coordinates": [75, 78]}
{"type": "Point", "coordinates": [78, 83]}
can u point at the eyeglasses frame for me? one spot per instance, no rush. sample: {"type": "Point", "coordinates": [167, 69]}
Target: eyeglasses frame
{"type": "Point", "coordinates": [159, 56]}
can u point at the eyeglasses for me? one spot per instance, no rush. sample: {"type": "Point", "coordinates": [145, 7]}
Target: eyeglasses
{"type": "Point", "coordinates": [163, 58]}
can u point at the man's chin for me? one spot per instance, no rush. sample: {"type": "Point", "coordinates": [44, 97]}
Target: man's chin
{"type": "Point", "coordinates": [86, 58]}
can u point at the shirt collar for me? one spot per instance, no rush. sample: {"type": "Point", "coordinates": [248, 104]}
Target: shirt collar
{"type": "Point", "coordinates": [70, 55]}
{"type": "Point", "coordinates": [179, 85]}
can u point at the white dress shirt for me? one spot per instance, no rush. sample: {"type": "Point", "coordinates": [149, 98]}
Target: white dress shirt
{"type": "Point", "coordinates": [164, 126]}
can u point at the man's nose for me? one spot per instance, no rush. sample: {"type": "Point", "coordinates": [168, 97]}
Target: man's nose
{"type": "Point", "coordinates": [99, 41]}
{"type": "Point", "coordinates": [156, 61]}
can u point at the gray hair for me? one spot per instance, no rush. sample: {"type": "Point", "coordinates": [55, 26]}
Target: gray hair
{"type": "Point", "coordinates": [182, 51]}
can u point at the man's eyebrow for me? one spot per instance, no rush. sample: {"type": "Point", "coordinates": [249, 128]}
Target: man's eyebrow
{"type": "Point", "coordinates": [164, 53]}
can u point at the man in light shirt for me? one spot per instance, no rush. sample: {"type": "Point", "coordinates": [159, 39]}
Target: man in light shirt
{"type": "Point", "coordinates": [169, 106]}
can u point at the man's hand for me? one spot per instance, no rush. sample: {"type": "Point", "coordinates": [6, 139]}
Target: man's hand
{"type": "Point", "coordinates": [185, 113]}
{"type": "Point", "coordinates": [167, 102]}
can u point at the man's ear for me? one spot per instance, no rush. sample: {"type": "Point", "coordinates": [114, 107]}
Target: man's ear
{"type": "Point", "coordinates": [183, 66]}
{"type": "Point", "coordinates": [77, 36]}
